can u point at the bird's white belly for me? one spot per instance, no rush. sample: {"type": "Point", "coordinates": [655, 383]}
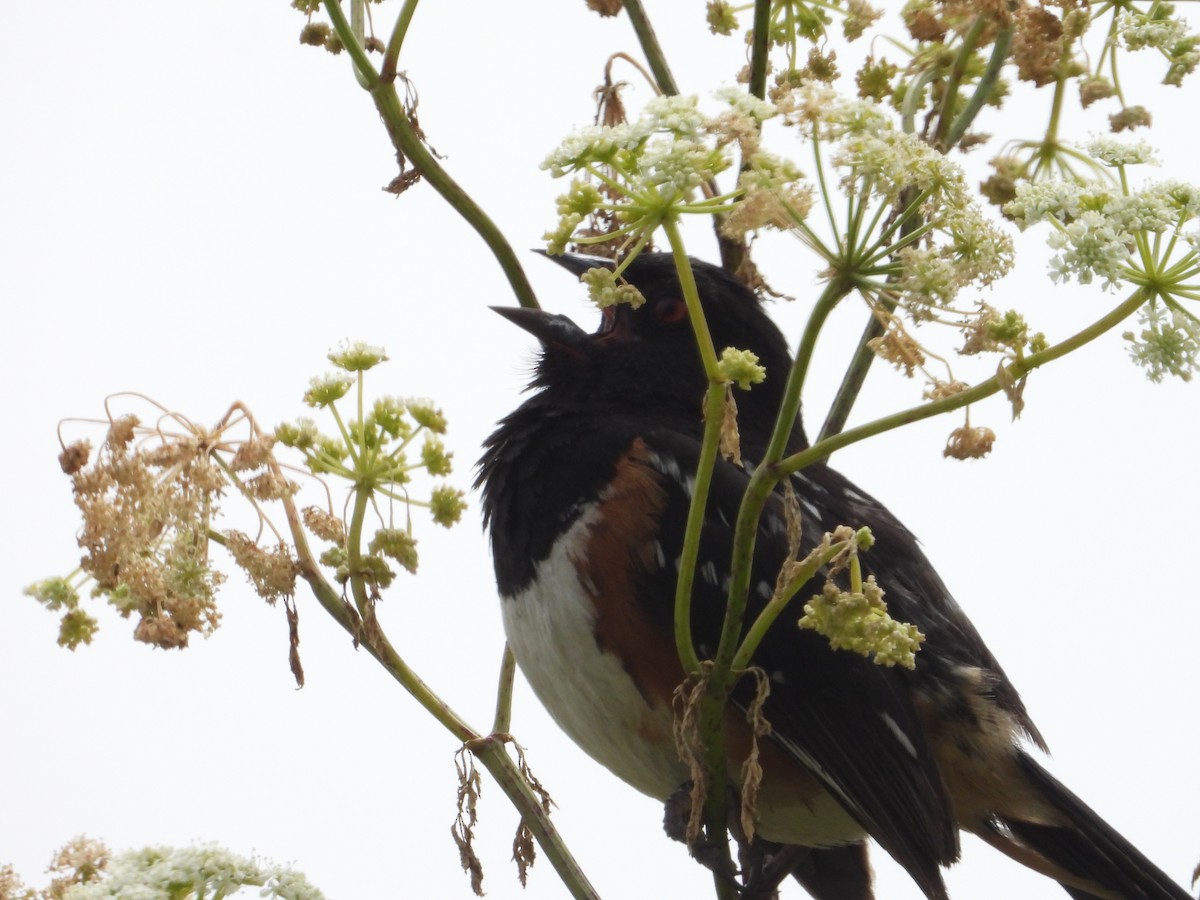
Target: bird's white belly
{"type": "Point", "coordinates": [551, 630]}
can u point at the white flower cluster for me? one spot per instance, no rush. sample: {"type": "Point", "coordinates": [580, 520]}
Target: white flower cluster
{"type": "Point", "coordinates": [1140, 31]}
{"type": "Point", "coordinates": [1114, 152]}
{"type": "Point", "coordinates": [666, 145]}
{"type": "Point", "coordinates": [960, 245]}
{"type": "Point", "coordinates": [165, 873]}
{"type": "Point", "coordinates": [1096, 224]}
{"type": "Point", "coordinates": [642, 174]}
{"type": "Point", "coordinates": [1157, 29]}
{"type": "Point", "coordinates": [1167, 344]}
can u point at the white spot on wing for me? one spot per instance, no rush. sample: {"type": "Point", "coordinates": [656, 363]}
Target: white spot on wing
{"type": "Point", "coordinates": [900, 735]}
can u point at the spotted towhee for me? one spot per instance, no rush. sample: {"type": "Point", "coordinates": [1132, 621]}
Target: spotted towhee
{"type": "Point", "coordinates": [586, 489]}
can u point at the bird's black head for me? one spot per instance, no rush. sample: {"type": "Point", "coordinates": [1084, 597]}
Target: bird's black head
{"type": "Point", "coordinates": [647, 358]}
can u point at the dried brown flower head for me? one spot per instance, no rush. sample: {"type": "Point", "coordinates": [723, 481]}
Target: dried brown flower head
{"type": "Point", "coordinates": [1037, 44]}
{"type": "Point", "coordinates": [966, 442]}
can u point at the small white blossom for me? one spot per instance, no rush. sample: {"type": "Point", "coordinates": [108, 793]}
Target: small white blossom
{"type": "Point", "coordinates": [1038, 199]}
{"type": "Point", "coordinates": [676, 113]}
{"type": "Point", "coordinates": [891, 161]}
{"type": "Point", "coordinates": [166, 873]}
{"type": "Point", "coordinates": [1089, 245]}
{"type": "Point", "coordinates": [1113, 152]}
{"type": "Point", "coordinates": [742, 101]}
{"type": "Point", "coordinates": [680, 165]}
{"type": "Point", "coordinates": [1139, 31]}
{"type": "Point", "coordinates": [1168, 343]}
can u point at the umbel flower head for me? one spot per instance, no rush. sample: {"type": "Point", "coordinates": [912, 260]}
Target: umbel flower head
{"type": "Point", "coordinates": [208, 871]}
{"type": "Point", "coordinates": [651, 171]}
{"type": "Point", "coordinates": [1145, 239]}
{"type": "Point", "coordinates": [146, 509]}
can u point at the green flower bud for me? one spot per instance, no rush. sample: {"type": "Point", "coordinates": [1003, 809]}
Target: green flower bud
{"type": "Point", "coordinates": [447, 505]}
{"type": "Point", "coordinates": [325, 389]}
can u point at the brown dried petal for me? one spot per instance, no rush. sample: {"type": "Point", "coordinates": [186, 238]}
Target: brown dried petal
{"type": "Point", "coordinates": [74, 456]}
{"type": "Point", "coordinates": [966, 442]}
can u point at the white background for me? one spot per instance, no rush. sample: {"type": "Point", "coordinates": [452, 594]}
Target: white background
{"type": "Point", "coordinates": [191, 207]}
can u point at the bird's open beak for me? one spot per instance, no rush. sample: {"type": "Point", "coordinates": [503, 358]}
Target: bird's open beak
{"type": "Point", "coordinates": [549, 328]}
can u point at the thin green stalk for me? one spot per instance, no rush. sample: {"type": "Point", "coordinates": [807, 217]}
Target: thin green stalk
{"type": "Point", "coordinates": [714, 403]}
{"type": "Point", "coordinates": [496, 761]}
{"type": "Point", "coordinates": [405, 139]}
{"type": "Point", "coordinates": [759, 45]}
{"type": "Point", "coordinates": [720, 677]}
{"type": "Point", "coordinates": [347, 438]}
{"type": "Point", "coordinates": [957, 71]}
{"type": "Point", "coordinates": [691, 295]}
{"type": "Point", "coordinates": [1015, 371]}
{"type": "Point", "coordinates": [364, 70]}
{"type": "Point", "coordinates": [982, 90]}
{"type": "Point", "coordinates": [762, 624]}
{"type": "Point", "coordinates": [504, 689]}
{"type": "Point", "coordinates": [834, 291]}
{"type": "Point", "coordinates": [358, 587]}
{"type": "Point", "coordinates": [391, 55]}
{"type": "Point", "coordinates": [856, 373]}
{"type": "Point", "coordinates": [650, 47]}
{"type": "Point", "coordinates": [826, 201]}
{"type": "Point", "coordinates": [712, 705]}
{"type": "Point", "coordinates": [908, 111]}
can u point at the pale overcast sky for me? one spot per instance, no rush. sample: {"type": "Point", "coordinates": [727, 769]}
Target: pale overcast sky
{"type": "Point", "coordinates": [191, 208]}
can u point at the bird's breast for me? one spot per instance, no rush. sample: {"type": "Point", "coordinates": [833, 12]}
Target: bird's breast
{"type": "Point", "coordinates": [571, 653]}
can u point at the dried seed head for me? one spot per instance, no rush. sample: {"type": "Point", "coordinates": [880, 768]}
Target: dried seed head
{"type": "Point", "coordinates": [74, 456]}
{"type": "Point", "coordinates": [606, 8]}
{"type": "Point", "coordinates": [966, 442]}
{"type": "Point", "coordinates": [324, 525]}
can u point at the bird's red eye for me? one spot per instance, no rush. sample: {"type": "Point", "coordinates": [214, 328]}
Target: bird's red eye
{"type": "Point", "coordinates": [671, 310]}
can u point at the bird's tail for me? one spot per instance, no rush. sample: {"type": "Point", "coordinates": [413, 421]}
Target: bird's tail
{"type": "Point", "coordinates": [1078, 849]}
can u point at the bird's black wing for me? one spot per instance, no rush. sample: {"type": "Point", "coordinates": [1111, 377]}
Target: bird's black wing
{"type": "Point", "coordinates": [850, 722]}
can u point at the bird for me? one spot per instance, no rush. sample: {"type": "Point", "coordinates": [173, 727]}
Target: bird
{"type": "Point", "coordinates": [585, 491]}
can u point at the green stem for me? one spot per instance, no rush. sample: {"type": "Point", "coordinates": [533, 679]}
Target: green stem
{"type": "Point", "coordinates": [762, 624]}
{"type": "Point", "coordinates": [957, 71]}
{"type": "Point", "coordinates": [504, 688]}
{"type": "Point", "coordinates": [1015, 371]}
{"type": "Point", "coordinates": [492, 753]}
{"type": "Point", "coordinates": [785, 420]}
{"type": "Point", "coordinates": [691, 295]}
{"type": "Point", "coordinates": [714, 403]}
{"type": "Point", "coordinates": [650, 47]}
{"type": "Point", "coordinates": [860, 363]}
{"type": "Point", "coordinates": [358, 587]}
{"type": "Point", "coordinates": [409, 144]}
{"type": "Point", "coordinates": [363, 69]}
{"type": "Point", "coordinates": [391, 55]}
{"type": "Point", "coordinates": [489, 753]}
{"type": "Point", "coordinates": [982, 90]}
{"type": "Point", "coordinates": [758, 48]}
